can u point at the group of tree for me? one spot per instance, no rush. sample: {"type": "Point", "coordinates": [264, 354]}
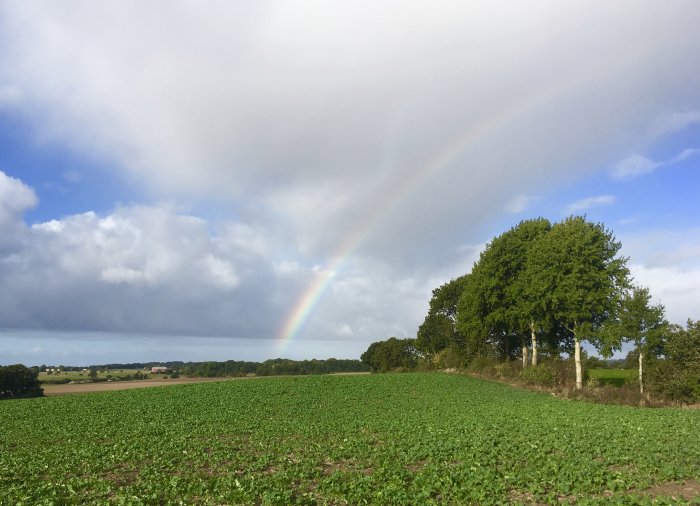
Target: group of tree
{"type": "Point", "coordinates": [545, 287]}
{"type": "Point", "coordinates": [272, 367]}
{"type": "Point", "coordinates": [18, 381]}
{"type": "Point", "coordinates": [392, 354]}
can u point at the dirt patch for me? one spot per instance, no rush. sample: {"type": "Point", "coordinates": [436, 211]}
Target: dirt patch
{"type": "Point", "coordinates": [337, 466]}
{"type": "Point", "coordinates": [688, 489]}
{"type": "Point", "coordinates": [416, 466]}
{"type": "Point", "coordinates": [108, 386]}
{"type": "Point", "coordinates": [622, 468]}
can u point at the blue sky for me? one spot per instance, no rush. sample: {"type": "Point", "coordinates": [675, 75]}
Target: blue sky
{"type": "Point", "coordinates": [174, 182]}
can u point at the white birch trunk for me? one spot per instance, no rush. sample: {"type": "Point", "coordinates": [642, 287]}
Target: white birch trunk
{"type": "Point", "coordinates": [641, 384]}
{"type": "Point", "coordinates": [524, 355]}
{"type": "Point", "coordinates": [533, 335]}
{"type": "Point", "coordinates": [577, 360]}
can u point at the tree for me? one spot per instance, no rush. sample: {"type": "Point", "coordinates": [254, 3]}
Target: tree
{"type": "Point", "coordinates": [575, 268]}
{"type": "Point", "coordinates": [496, 303]}
{"type": "Point", "coordinates": [438, 330]}
{"type": "Point", "coordinates": [18, 381]}
{"type": "Point", "coordinates": [393, 353]}
{"type": "Point", "coordinates": [643, 324]}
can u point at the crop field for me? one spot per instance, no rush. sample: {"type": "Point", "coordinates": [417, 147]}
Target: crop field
{"type": "Point", "coordinates": [375, 439]}
{"type": "Point", "coordinates": [616, 377]}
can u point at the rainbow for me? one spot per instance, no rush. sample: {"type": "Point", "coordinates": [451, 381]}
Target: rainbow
{"type": "Point", "coordinates": [466, 140]}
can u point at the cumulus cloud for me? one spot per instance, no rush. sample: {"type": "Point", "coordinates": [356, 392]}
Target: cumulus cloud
{"type": "Point", "coordinates": [154, 270]}
{"type": "Point", "coordinates": [138, 268]}
{"type": "Point", "coordinates": [636, 165]}
{"type": "Point", "coordinates": [15, 199]}
{"type": "Point", "coordinates": [590, 202]}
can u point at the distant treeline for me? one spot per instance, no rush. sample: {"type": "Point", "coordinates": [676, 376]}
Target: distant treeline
{"type": "Point", "coordinates": [272, 367]}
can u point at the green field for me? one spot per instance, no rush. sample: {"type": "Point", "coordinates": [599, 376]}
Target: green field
{"type": "Point", "coordinates": [616, 377]}
{"type": "Point", "coordinates": [378, 439]}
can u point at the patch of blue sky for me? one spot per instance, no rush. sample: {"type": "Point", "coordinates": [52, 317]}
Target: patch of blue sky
{"type": "Point", "coordinates": [65, 181]}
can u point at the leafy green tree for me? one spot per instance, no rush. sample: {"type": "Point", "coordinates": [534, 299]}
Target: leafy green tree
{"type": "Point", "coordinates": [643, 324]}
{"type": "Point", "coordinates": [393, 353]}
{"type": "Point", "coordinates": [496, 303]}
{"type": "Point", "coordinates": [472, 316]}
{"type": "Point", "coordinates": [576, 270]}
{"type": "Point", "coordinates": [438, 330]}
{"type": "Point", "coordinates": [435, 334]}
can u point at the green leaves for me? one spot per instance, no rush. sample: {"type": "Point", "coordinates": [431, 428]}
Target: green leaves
{"type": "Point", "coordinates": [389, 439]}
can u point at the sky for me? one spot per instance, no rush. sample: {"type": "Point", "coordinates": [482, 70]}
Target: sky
{"type": "Point", "coordinates": [249, 180]}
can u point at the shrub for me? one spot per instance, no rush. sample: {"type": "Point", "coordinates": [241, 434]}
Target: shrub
{"type": "Point", "coordinates": [677, 375]}
{"type": "Point", "coordinates": [540, 375]}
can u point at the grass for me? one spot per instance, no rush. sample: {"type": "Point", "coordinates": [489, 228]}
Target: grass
{"type": "Point", "coordinates": [615, 377]}
{"type": "Point", "coordinates": [377, 439]}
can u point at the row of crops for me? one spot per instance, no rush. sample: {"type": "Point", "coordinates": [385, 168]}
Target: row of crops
{"type": "Point", "coordinates": [378, 439]}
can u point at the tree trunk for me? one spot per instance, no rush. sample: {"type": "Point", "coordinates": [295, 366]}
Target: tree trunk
{"type": "Point", "coordinates": [577, 360]}
{"type": "Point", "coordinates": [533, 335]}
{"type": "Point", "coordinates": [524, 354]}
{"type": "Point", "coordinates": [641, 384]}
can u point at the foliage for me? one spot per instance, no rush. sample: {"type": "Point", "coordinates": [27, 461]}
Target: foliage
{"type": "Point", "coordinates": [677, 375]}
{"type": "Point", "coordinates": [18, 381]}
{"type": "Point", "coordinates": [392, 354]}
{"type": "Point", "coordinates": [375, 439]}
{"type": "Point", "coordinates": [539, 375]}
{"type": "Point", "coordinates": [438, 331]}
{"type": "Point", "coordinates": [493, 308]}
{"type": "Point", "coordinates": [579, 273]}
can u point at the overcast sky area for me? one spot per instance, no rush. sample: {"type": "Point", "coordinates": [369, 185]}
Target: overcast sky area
{"type": "Point", "coordinates": [250, 180]}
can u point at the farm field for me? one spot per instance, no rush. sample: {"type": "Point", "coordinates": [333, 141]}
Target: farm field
{"type": "Point", "coordinates": [51, 390]}
{"type": "Point", "coordinates": [381, 439]}
{"type": "Point", "coordinates": [616, 377]}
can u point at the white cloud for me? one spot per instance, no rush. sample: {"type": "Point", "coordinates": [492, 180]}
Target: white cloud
{"type": "Point", "coordinates": [668, 262]}
{"type": "Point", "coordinates": [138, 268]}
{"type": "Point", "coordinates": [636, 165]}
{"type": "Point", "coordinates": [15, 198]}
{"type": "Point", "coordinates": [677, 289]}
{"type": "Point", "coordinates": [590, 202]}
{"type": "Point", "coordinates": [632, 166]}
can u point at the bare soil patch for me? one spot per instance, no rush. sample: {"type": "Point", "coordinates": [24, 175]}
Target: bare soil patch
{"type": "Point", "coordinates": [107, 386]}
{"type": "Point", "coordinates": [688, 490]}
{"type": "Point", "coordinates": [51, 390]}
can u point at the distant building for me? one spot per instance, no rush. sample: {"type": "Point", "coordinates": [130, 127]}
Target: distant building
{"type": "Point", "coordinates": [159, 370]}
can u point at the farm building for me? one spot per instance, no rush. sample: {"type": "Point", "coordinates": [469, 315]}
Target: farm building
{"type": "Point", "coordinates": [159, 370]}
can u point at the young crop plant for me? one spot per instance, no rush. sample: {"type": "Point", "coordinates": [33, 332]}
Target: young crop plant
{"type": "Point", "coordinates": [412, 438]}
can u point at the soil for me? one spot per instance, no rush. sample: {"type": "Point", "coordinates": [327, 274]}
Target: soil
{"type": "Point", "coordinates": [105, 386]}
